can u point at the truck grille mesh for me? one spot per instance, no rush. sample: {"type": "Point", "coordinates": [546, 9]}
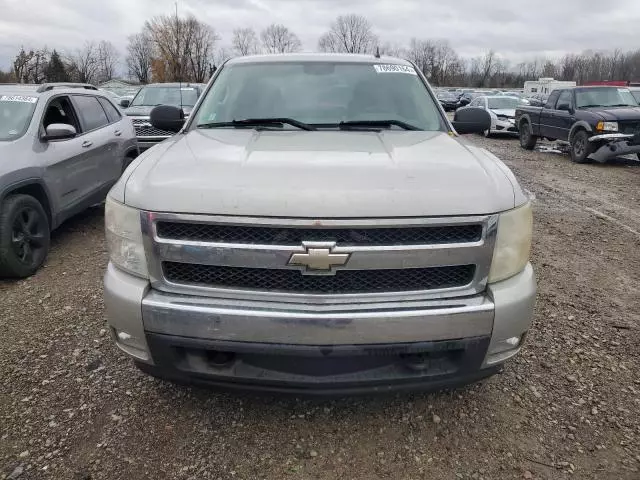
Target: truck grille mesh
{"type": "Point", "coordinates": [345, 281]}
{"type": "Point", "coordinates": [630, 127]}
{"type": "Point", "coordinates": [295, 236]}
{"type": "Point", "coordinates": [145, 129]}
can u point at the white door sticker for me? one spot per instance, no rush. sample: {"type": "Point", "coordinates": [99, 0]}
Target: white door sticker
{"type": "Point", "coordinates": [394, 69]}
{"type": "Point", "coordinates": [18, 98]}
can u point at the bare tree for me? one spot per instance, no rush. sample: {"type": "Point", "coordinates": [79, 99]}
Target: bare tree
{"type": "Point", "coordinates": [445, 60]}
{"type": "Point", "coordinates": [140, 51]}
{"type": "Point", "coordinates": [202, 41]}
{"type": "Point", "coordinates": [167, 33]}
{"type": "Point", "coordinates": [84, 65]}
{"type": "Point", "coordinates": [108, 58]}
{"type": "Point", "coordinates": [393, 50]}
{"type": "Point", "coordinates": [20, 65]}
{"type": "Point", "coordinates": [184, 48]}
{"type": "Point", "coordinates": [279, 39]}
{"type": "Point", "coordinates": [487, 67]}
{"type": "Point", "coordinates": [422, 53]}
{"type": "Point", "coordinates": [349, 34]}
{"type": "Point", "coordinates": [245, 41]}
{"type": "Point", "coordinates": [223, 54]}
{"type": "Point", "coordinates": [31, 67]}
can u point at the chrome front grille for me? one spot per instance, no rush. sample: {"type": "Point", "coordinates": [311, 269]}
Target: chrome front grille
{"type": "Point", "coordinates": [145, 129]}
{"type": "Point", "coordinates": [379, 260]}
{"type": "Point", "coordinates": [429, 235]}
{"type": "Point", "coordinates": [343, 282]}
{"type": "Point", "coordinates": [629, 127]}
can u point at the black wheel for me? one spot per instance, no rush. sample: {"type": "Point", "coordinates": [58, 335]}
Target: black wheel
{"type": "Point", "coordinates": [527, 139]}
{"type": "Point", "coordinates": [24, 236]}
{"type": "Point", "coordinates": [581, 148]}
{"type": "Point", "coordinates": [487, 133]}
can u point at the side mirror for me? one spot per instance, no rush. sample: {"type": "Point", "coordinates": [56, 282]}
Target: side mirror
{"type": "Point", "coordinates": [565, 107]}
{"type": "Point", "coordinates": [167, 117]}
{"type": "Point", "coordinates": [471, 120]}
{"type": "Point", "coordinates": [464, 101]}
{"type": "Point", "coordinates": [125, 102]}
{"type": "Point", "coordinates": [59, 131]}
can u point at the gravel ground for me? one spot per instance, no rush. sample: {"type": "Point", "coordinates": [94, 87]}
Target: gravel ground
{"type": "Point", "coordinates": [72, 407]}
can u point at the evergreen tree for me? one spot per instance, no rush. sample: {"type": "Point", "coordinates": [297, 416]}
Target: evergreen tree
{"type": "Point", "coordinates": [56, 70]}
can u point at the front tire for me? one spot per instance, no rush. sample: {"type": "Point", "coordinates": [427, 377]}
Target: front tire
{"type": "Point", "coordinates": [24, 236]}
{"type": "Point", "coordinates": [581, 148]}
{"type": "Point", "coordinates": [487, 133]}
{"type": "Point", "coordinates": [527, 139]}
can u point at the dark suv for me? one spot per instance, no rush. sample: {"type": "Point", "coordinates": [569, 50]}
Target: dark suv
{"type": "Point", "coordinates": [599, 123]}
{"type": "Point", "coordinates": [183, 95]}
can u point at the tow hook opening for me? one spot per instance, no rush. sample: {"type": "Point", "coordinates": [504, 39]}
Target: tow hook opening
{"type": "Point", "coordinates": [219, 359]}
{"type": "Point", "coordinates": [421, 362]}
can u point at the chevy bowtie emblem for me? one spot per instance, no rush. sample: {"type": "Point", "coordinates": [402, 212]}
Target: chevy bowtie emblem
{"type": "Point", "coordinates": [318, 258]}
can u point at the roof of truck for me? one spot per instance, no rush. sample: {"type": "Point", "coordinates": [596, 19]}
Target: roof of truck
{"type": "Point", "coordinates": [318, 57]}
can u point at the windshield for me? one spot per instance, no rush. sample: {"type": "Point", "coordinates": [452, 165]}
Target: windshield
{"type": "Point", "coordinates": [152, 96]}
{"type": "Point", "coordinates": [636, 95]}
{"type": "Point", "coordinates": [15, 115]}
{"type": "Point", "coordinates": [604, 97]}
{"type": "Point", "coordinates": [320, 94]}
{"type": "Point", "coordinates": [503, 103]}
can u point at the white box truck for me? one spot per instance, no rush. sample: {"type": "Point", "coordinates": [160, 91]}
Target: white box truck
{"type": "Point", "coordinates": [545, 85]}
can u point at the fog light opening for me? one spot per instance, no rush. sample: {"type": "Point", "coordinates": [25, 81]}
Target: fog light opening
{"type": "Point", "coordinates": [130, 344]}
{"type": "Point", "coordinates": [504, 349]}
{"type": "Point", "coordinates": [513, 341]}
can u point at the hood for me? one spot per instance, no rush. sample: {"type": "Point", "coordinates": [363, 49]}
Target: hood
{"type": "Point", "coordinates": [145, 111]}
{"type": "Point", "coordinates": [507, 112]}
{"type": "Point", "coordinates": [617, 113]}
{"type": "Point", "coordinates": [324, 174]}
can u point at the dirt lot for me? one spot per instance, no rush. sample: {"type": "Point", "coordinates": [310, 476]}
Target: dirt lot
{"type": "Point", "coordinates": [72, 407]}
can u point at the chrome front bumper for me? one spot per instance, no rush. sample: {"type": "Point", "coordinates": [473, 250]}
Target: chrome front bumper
{"type": "Point", "coordinates": [137, 314]}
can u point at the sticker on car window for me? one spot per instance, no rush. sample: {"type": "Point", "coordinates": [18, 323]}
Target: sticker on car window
{"type": "Point", "coordinates": [379, 68]}
{"type": "Point", "coordinates": [18, 98]}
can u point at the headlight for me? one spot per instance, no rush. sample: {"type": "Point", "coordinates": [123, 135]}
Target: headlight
{"type": "Point", "coordinates": [607, 126]}
{"type": "Point", "coordinates": [124, 238]}
{"type": "Point", "coordinates": [513, 243]}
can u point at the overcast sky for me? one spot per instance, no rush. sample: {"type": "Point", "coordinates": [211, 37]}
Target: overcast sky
{"type": "Point", "coordinates": [516, 30]}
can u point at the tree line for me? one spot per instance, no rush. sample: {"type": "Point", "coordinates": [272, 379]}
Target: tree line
{"type": "Point", "coordinates": [172, 48]}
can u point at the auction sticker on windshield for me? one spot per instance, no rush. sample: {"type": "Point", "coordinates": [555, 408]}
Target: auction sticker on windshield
{"type": "Point", "coordinates": [18, 98]}
{"type": "Point", "coordinates": [394, 69]}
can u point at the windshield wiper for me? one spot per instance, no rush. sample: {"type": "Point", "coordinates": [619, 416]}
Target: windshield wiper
{"type": "Point", "coordinates": [376, 123]}
{"type": "Point", "coordinates": [590, 106]}
{"type": "Point", "coordinates": [624, 105]}
{"type": "Point", "coordinates": [258, 122]}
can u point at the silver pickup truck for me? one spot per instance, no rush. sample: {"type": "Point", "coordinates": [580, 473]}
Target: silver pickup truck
{"type": "Point", "coordinates": [318, 225]}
